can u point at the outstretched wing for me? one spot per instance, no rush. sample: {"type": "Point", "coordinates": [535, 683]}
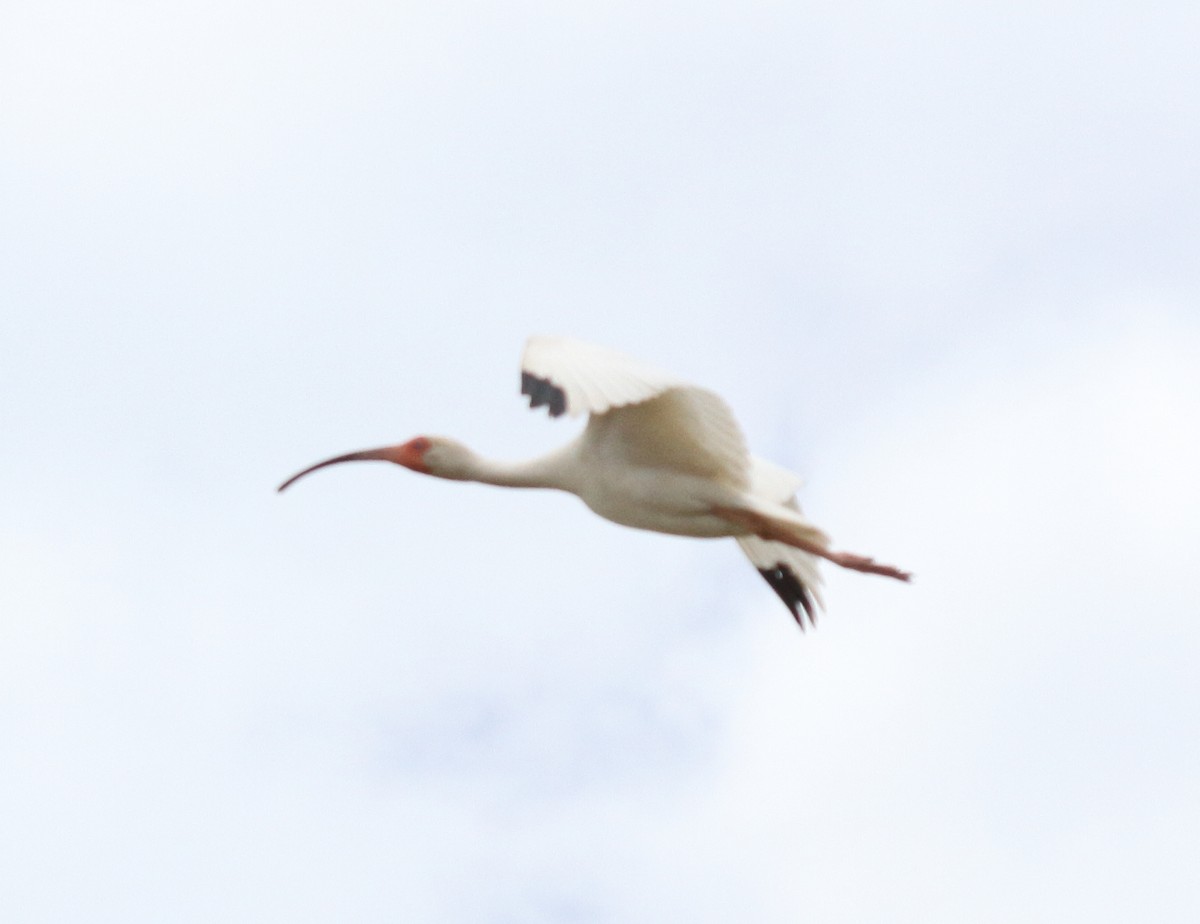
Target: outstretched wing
{"type": "Point", "coordinates": [640, 416]}
{"type": "Point", "coordinates": [792, 573]}
{"type": "Point", "coordinates": [573, 377]}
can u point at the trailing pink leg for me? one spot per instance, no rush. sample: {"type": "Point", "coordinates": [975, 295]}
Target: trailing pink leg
{"type": "Point", "coordinates": [800, 535]}
{"type": "Point", "coordinates": [862, 563]}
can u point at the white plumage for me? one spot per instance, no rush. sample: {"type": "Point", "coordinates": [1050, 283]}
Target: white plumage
{"type": "Point", "coordinates": [657, 454]}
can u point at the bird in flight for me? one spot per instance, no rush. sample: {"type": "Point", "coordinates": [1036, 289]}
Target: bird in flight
{"type": "Point", "coordinates": [658, 454]}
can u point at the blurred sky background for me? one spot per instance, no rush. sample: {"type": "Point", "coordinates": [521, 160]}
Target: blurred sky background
{"type": "Point", "coordinates": [942, 258]}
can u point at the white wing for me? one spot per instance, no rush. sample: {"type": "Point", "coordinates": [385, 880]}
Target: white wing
{"type": "Point", "coordinates": [792, 573]}
{"type": "Point", "coordinates": [580, 378]}
{"type": "Point", "coordinates": [639, 414]}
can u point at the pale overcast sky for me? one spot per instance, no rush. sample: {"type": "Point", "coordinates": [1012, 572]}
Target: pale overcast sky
{"type": "Point", "coordinates": [943, 259]}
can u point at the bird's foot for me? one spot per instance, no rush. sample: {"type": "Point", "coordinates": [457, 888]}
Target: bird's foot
{"type": "Point", "coordinates": [869, 565]}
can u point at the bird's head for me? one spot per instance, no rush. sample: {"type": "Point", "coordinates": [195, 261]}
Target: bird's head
{"type": "Point", "coordinates": [429, 455]}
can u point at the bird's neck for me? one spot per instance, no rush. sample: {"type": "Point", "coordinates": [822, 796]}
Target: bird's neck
{"type": "Point", "coordinates": [550, 471]}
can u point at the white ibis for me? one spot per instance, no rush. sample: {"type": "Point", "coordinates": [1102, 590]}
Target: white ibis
{"type": "Point", "coordinates": [657, 454]}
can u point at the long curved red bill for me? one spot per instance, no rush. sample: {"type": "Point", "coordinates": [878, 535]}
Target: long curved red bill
{"type": "Point", "coordinates": [386, 454]}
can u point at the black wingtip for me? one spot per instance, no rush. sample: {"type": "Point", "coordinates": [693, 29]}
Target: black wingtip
{"type": "Point", "coordinates": [544, 392]}
{"type": "Point", "coordinates": [792, 592]}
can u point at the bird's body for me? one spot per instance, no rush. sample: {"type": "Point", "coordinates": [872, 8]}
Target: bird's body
{"type": "Point", "coordinates": [657, 500]}
{"type": "Point", "coordinates": [657, 454]}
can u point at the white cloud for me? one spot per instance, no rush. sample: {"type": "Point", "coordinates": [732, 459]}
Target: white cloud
{"type": "Point", "coordinates": [944, 258]}
{"type": "Point", "coordinates": [1014, 729]}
